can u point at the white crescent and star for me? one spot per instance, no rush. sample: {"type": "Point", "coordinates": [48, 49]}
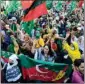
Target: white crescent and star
{"type": "Point", "coordinates": [37, 68]}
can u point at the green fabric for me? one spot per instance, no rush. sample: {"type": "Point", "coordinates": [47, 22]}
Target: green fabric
{"type": "Point", "coordinates": [59, 43]}
{"type": "Point", "coordinates": [8, 31]}
{"type": "Point", "coordinates": [13, 6]}
{"type": "Point", "coordinates": [37, 35]}
{"type": "Point", "coordinates": [39, 29]}
{"type": "Point", "coordinates": [72, 6]}
{"type": "Point", "coordinates": [49, 4]}
{"type": "Point", "coordinates": [59, 6]}
{"type": "Point", "coordinates": [27, 26]}
{"type": "Point", "coordinates": [6, 54]}
{"type": "Point", "coordinates": [11, 48]}
{"type": "Point", "coordinates": [14, 27]}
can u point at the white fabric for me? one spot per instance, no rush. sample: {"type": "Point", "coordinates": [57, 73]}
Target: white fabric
{"type": "Point", "coordinates": [81, 45]}
{"type": "Point", "coordinates": [13, 57]}
{"type": "Point", "coordinates": [66, 56]}
{"type": "Point", "coordinates": [36, 53]}
{"type": "Point", "coordinates": [82, 27]}
{"type": "Point", "coordinates": [10, 66]}
{"type": "Point", "coordinates": [79, 24]}
{"type": "Point", "coordinates": [13, 18]}
{"type": "Point", "coordinates": [79, 28]}
{"type": "Point", "coordinates": [75, 39]}
{"type": "Point", "coordinates": [57, 18]}
{"type": "Point", "coordinates": [14, 79]}
{"type": "Point", "coordinates": [54, 28]}
{"type": "Point", "coordinates": [3, 32]}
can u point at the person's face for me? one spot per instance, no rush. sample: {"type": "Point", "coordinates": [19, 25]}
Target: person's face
{"type": "Point", "coordinates": [54, 32]}
{"type": "Point", "coordinates": [81, 68]}
{"type": "Point", "coordinates": [26, 38]}
{"type": "Point", "coordinates": [73, 32]}
{"type": "Point", "coordinates": [10, 21]}
{"type": "Point", "coordinates": [23, 31]}
{"type": "Point", "coordinates": [14, 21]}
{"type": "Point", "coordinates": [52, 40]}
{"type": "Point", "coordinates": [46, 50]}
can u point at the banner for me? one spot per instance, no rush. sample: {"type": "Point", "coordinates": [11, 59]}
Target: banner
{"type": "Point", "coordinates": [40, 70]}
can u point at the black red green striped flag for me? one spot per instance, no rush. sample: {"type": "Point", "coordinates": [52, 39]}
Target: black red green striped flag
{"type": "Point", "coordinates": [34, 9]}
{"type": "Point", "coordinates": [26, 3]}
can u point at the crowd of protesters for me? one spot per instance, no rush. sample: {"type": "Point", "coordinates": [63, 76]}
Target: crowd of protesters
{"type": "Point", "coordinates": [57, 37]}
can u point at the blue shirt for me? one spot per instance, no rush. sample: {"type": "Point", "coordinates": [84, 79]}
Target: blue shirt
{"type": "Point", "coordinates": [40, 56]}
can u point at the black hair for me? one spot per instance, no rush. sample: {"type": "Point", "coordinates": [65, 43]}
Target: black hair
{"type": "Point", "coordinates": [57, 21]}
{"type": "Point", "coordinates": [74, 29]}
{"type": "Point", "coordinates": [50, 52]}
{"type": "Point", "coordinates": [46, 32]}
{"type": "Point", "coordinates": [9, 33]}
{"type": "Point", "coordinates": [78, 62]}
{"type": "Point", "coordinates": [54, 32]}
{"type": "Point", "coordinates": [66, 19]}
{"type": "Point", "coordinates": [50, 26]}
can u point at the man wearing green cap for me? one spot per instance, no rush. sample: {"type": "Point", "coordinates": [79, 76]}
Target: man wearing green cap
{"type": "Point", "coordinates": [38, 42]}
{"type": "Point", "coordinates": [13, 25]}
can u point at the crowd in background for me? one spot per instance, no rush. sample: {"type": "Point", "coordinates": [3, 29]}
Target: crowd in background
{"type": "Point", "coordinates": [57, 37]}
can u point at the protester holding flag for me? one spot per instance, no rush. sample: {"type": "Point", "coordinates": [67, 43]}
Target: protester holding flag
{"type": "Point", "coordinates": [47, 40]}
{"type": "Point", "coordinates": [26, 46]}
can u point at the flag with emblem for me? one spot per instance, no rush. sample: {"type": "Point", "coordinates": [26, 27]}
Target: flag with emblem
{"type": "Point", "coordinates": [40, 70]}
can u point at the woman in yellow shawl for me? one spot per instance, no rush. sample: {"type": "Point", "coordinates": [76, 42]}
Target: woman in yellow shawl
{"type": "Point", "coordinates": [73, 50]}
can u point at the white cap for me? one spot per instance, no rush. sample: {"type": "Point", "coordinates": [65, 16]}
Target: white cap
{"type": "Point", "coordinates": [13, 18]}
{"type": "Point", "coordinates": [79, 28]}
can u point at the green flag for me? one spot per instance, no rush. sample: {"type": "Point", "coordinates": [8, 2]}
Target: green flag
{"type": "Point", "coordinates": [40, 70]}
{"type": "Point", "coordinates": [59, 6]}
{"type": "Point", "coordinates": [72, 6]}
{"type": "Point", "coordinates": [13, 6]}
{"type": "Point", "coordinates": [14, 27]}
{"type": "Point", "coordinates": [49, 4]}
{"type": "Point", "coordinates": [27, 26]}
